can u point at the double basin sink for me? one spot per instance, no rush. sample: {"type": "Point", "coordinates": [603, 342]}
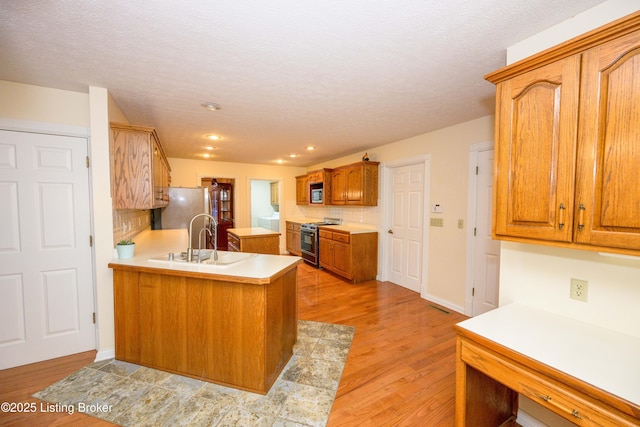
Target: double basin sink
{"type": "Point", "coordinates": [225, 258]}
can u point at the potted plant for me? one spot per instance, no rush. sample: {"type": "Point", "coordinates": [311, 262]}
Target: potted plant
{"type": "Point", "coordinates": [125, 248]}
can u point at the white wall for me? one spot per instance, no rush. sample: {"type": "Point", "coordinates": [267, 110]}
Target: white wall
{"type": "Point", "coordinates": [448, 149]}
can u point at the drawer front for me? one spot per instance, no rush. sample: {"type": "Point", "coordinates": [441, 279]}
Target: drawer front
{"type": "Point", "coordinates": [326, 234]}
{"type": "Point", "coordinates": [233, 243]}
{"type": "Point", "coordinates": [547, 392]}
{"type": "Point", "coordinates": [341, 237]}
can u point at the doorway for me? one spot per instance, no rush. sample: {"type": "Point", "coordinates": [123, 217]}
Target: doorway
{"type": "Point", "coordinates": [483, 252]}
{"type": "Point", "coordinates": [265, 204]}
{"type": "Point", "coordinates": [46, 267]}
{"type": "Point", "coordinates": [406, 186]}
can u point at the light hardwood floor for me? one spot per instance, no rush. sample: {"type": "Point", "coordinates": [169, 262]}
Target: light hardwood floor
{"type": "Point", "coordinates": [400, 370]}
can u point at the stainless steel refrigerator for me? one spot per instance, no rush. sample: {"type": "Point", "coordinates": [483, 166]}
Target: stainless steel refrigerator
{"type": "Point", "coordinates": [184, 204]}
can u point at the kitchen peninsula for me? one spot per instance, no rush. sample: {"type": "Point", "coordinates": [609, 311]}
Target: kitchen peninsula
{"type": "Point", "coordinates": [234, 323]}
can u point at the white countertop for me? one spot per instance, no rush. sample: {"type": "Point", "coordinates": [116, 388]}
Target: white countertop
{"type": "Point", "coordinates": [158, 243]}
{"type": "Point", "coordinates": [606, 359]}
{"type": "Point", "coordinates": [350, 228]}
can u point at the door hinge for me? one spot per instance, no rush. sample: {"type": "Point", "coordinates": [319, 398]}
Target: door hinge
{"type": "Point", "coordinates": [90, 241]}
{"type": "Point", "coordinates": [94, 317]}
{"type": "Point", "coordinates": [87, 159]}
{"type": "Point", "coordinates": [476, 170]}
{"type": "Point", "coordinates": [474, 231]}
{"type": "Point", "coordinates": [473, 292]}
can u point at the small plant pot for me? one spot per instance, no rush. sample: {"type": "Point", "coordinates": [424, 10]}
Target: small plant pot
{"type": "Point", "coordinates": [125, 251]}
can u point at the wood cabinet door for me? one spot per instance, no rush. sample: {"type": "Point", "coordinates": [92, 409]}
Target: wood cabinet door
{"type": "Point", "coordinates": [342, 259]}
{"type": "Point", "coordinates": [302, 190]}
{"type": "Point", "coordinates": [132, 174]}
{"type": "Point", "coordinates": [536, 134]}
{"type": "Point", "coordinates": [354, 185]}
{"type": "Point", "coordinates": [608, 192]}
{"type": "Point", "coordinates": [326, 253]}
{"type": "Point", "coordinates": [338, 186]}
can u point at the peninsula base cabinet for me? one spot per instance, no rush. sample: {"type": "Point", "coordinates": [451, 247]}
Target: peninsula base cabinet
{"type": "Point", "coordinates": [233, 333]}
{"type": "Point", "coordinates": [353, 256]}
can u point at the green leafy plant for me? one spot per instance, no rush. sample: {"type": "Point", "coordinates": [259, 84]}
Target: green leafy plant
{"type": "Point", "coordinates": [126, 242]}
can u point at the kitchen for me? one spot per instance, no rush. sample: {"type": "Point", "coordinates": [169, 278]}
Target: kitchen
{"type": "Point", "coordinates": [445, 245]}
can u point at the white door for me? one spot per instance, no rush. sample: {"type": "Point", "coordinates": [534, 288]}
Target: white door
{"type": "Point", "coordinates": [486, 262]}
{"type": "Point", "coordinates": [46, 282]}
{"type": "Point", "coordinates": [406, 225]}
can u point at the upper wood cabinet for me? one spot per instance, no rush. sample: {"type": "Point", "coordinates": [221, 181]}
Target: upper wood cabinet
{"type": "Point", "coordinates": [140, 172]}
{"type": "Point", "coordinates": [275, 194]}
{"type": "Point", "coordinates": [355, 184]}
{"type": "Point", "coordinates": [568, 143]}
{"type": "Point", "coordinates": [302, 190]}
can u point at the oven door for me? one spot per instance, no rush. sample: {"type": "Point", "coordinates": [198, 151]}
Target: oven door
{"type": "Point", "coordinates": [309, 246]}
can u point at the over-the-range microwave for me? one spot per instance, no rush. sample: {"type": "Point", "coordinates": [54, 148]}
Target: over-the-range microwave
{"type": "Point", "coordinates": [316, 195]}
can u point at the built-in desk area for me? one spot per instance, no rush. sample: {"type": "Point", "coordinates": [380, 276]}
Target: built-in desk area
{"type": "Point", "coordinates": [584, 373]}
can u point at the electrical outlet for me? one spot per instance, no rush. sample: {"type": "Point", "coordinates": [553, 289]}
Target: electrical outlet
{"type": "Point", "coordinates": [579, 289]}
{"type": "Point", "coordinates": [436, 222]}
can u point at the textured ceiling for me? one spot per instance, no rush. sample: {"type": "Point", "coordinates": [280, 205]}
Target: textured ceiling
{"type": "Point", "coordinates": [341, 75]}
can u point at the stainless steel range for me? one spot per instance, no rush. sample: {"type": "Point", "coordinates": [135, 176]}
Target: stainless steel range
{"type": "Point", "coordinates": [310, 241]}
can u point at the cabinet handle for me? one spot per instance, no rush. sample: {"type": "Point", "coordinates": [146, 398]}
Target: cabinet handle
{"type": "Point", "coordinates": [561, 222]}
{"type": "Point", "coordinates": [575, 413]}
{"type": "Point", "coordinates": [581, 217]}
{"type": "Point", "coordinates": [546, 398]}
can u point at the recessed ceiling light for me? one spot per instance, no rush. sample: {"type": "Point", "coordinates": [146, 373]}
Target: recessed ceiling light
{"type": "Point", "coordinates": [310, 148]}
{"type": "Point", "coordinates": [209, 148]}
{"type": "Point", "coordinates": [280, 161]}
{"type": "Point", "coordinates": [214, 137]}
{"type": "Point", "coordinates": [211, 106]}
{"type": "Point", "coordinates": [293, 156]}
{"type": "Point", "coordinates": [206, 155]}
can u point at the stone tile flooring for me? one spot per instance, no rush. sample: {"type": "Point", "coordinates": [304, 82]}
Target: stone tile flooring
{"type": "Point", "coordinates": [133, 395]}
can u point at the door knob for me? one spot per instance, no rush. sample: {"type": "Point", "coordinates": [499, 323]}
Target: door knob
{"type": "Point", "coordinates": [390, 231]}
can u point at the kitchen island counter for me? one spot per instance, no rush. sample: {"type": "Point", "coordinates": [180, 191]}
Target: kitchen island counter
{"type": "Point", "coordinates": [233, 325]}
{"type": "Point", "coordinates": [154, 245]}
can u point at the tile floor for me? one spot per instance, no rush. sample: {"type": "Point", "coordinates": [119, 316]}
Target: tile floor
{"type": "Point", "coordinates": [133, 395]}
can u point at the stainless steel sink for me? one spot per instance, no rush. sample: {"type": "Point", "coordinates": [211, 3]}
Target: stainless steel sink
{"type": "Point", "coordinates": [224, 258]}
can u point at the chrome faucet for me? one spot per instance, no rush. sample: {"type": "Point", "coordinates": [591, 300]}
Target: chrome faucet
{"type": "Point", "coordinates": [215, 242]}
{"type": "Point", "coordinates": [206, 230]}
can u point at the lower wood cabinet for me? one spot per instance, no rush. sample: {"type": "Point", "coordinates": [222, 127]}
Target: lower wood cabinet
{"type": "Point", "coordinates": [293, 238]}
{"type": "Point", "coordinates": [353, 256]}
{"type": "Point", "coordinates": [254, 240]}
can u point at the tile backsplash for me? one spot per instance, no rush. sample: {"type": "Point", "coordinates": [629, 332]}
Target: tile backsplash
{"type": "Point", "coordinates": [128, 223]}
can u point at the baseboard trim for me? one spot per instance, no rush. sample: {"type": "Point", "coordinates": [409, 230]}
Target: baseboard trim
{"type": "Point", "coordinates": [107, 354]}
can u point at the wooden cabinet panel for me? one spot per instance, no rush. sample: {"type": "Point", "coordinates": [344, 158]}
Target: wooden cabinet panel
{"type": "Point", "coordinates": [567, 137]}
{"type": "Point", "coordinates": [302, 190]}
{"type": "Point", "coordinates": [536, 140]}
{"type": "Point", "coordinates": [140, 172]}
{"type": "Point", "coordinates": [293, 239]}
{"type": "Point", "coordinates": [608, 180]}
